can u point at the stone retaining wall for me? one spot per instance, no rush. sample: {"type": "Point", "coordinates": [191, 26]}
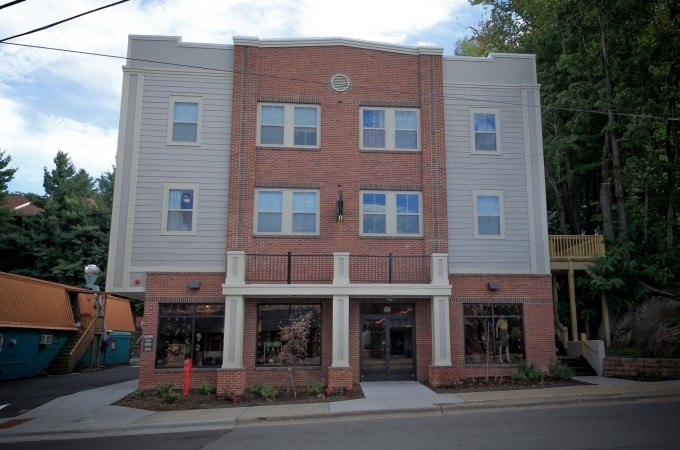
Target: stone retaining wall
{"type": "Point", "coordinates": [630, 367]}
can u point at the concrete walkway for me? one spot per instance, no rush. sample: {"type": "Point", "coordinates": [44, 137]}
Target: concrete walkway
{"type": "Point", "coordinates": [90, 412]}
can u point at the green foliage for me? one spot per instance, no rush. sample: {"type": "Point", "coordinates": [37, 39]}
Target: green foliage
{"type": "Point", "coordinates": [171, 396]}
{"type": "Point", "coordinates": [230, 397]}
{"type": "Point", "coordinates": [339, 390]}
{"type": "Point", "coordinates": [560, 371]}
{"type": "Point", "coordinates": [525, 373]}
{"type": "Point", "coordinates": [263, 390]}
{"type": "Point", "coordinates": [6, 175]}
{"type": "Point", "coordinates": [139, 395]}
{"type": "Point", "coordinates": [163, 388]}
{"type": "Point", "coordinates": [317, 388]}
{"type": "Point", "coordinates": [205, 388]}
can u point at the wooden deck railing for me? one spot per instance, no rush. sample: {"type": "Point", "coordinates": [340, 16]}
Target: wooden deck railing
{"type": "Point", "coordinates": [576, 248]}
{"type": "Point", "coordinates": [89, 326]}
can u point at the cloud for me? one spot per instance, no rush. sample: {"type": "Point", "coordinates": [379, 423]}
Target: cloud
{"type": "Point", "coordinates": [53, 100]}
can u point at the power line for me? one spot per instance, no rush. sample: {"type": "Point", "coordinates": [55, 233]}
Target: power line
{"type": "Point", "coordinates": [7, 5]}
{"type": "Point", "coordinates": [61, 21]}
{"type": "Point", "coordinates": [373, 88]}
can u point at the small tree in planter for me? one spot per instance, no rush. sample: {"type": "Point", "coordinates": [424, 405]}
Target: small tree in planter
{"type": "Point", "coordinates": [294, 341]}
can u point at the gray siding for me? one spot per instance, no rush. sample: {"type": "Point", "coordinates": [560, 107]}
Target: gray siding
{"type": "Point", "coordinates": [206, 165]}
{"type": "Point", "coordinates": [467, 172]}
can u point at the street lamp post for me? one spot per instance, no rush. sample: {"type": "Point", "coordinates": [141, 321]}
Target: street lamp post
{"type": "Point", "coordinates": [91, 274]}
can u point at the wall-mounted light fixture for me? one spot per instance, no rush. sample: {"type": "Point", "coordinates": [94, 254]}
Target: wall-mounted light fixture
{"type": "Point", "coordinates": [194, 284]}
{"type": "Point", "coordinates": [494, 285]}
{"type": "Point", "coordinates": [339, 206]}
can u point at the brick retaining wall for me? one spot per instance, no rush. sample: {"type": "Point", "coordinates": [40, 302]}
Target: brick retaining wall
{"type": "Point", "coordinates": [627, 367]}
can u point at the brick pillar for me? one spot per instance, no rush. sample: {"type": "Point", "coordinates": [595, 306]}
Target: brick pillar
{"type": "Point", "coordinates": [339, 376]}
{"type": "Point", "coordinates": [232, 380]}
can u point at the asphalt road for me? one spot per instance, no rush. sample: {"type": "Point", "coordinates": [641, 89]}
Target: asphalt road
{"type": "Point", "coordinates": [620, 425]}
{"type": "Point", "coordinates": [21, 395]}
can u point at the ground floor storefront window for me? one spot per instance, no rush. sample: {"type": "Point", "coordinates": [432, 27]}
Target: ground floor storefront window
{"type": "Point", "coordinates": [493, 333]}
{"type": "Point", "coordinates": [190, 331]}
{"type": "Point", "coordinates": [271, 318]}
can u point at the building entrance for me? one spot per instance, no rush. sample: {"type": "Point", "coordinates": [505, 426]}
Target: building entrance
{"type": "Point", "coordinates": [387, 342]}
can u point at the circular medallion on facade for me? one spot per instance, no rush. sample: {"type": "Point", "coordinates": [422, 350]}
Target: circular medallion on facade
{"type": "Point", "coordinates": [340, 82]}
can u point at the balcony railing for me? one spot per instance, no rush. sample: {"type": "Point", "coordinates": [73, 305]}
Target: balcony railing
{"type": "Point", "coordinates": [309, 269]}
{"type": "Point", "coordinates": [576, 247]}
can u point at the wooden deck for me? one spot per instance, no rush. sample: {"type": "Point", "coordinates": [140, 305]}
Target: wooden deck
{"type": "Point", "coordinates": [577, 251]}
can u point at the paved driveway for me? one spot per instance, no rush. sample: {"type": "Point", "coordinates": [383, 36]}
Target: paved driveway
{"type": "Point", "coordinates": [21, 395]}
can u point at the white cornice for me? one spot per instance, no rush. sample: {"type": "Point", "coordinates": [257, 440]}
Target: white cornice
{"type": "Point", "coordinates": [328, 290]}
{"type": "Point", "coordinates": [336, 41]}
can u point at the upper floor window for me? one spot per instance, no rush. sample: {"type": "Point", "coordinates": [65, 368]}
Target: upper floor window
{"type": "Point", "coordinates": [283, 125]}
{"type": "Point", "coordinates": [389, 129]}
{"type": "Point", "coordinates": [179, 209]}
{"type": "Point", "coordinates": [184, 120]}
{"type": "Point", "coordinates": [391, 213]}
{"type": "Point", "coordinates": [488, 212]}
{"type": "Point", "coordinates": [286, 211]}
{"type": "Point", "coordinates": [485, 131]}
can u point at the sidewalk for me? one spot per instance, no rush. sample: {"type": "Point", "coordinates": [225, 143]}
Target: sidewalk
{"type": "Point", "coordinates": [91, 411]}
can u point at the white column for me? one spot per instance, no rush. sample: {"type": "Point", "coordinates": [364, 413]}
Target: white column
{"type": "Point", "coordinates": [441, 332]}
{"type": "Point", "coordinates": [236, 267]}
{"type": "Point", "coordinates": [340, 331]}
{"type": "Point", "coordinates": [232, 355]}
{"type": "Point", "coordinates": [440, 269]}
{"type": "Point", "coordinates": [341, 268]}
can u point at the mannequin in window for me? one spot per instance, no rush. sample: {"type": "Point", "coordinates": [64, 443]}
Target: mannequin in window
{"type": "Point", "coordinates": [503, 338]}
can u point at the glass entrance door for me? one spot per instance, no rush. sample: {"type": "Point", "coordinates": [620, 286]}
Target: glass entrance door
{"type": "Point", "coordinates": [387, 348]}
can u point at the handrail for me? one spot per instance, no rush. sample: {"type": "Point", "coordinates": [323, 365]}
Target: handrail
{"type": "Point", "coordinates": [80, 347]}
{"type": "Point", "coordinates": [576, 247]}
{"type": "Point", "coordinates": [562, 332]}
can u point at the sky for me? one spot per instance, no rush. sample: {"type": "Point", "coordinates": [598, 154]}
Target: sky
{"type": "Point", "coordinates": [53, 100]}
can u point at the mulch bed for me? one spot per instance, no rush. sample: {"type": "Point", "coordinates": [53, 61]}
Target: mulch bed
{"type": "Point", "coordinates": [480, 384]}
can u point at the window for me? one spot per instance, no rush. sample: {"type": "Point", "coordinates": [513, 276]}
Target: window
{"type": "Point", "coordinates": [389, 129]}
{"type": "Point", "coordinates": [286, 211]}
{"type": "Point", "coordinates": [391, 213]}
{"type": "Point", "coordinates": [184, 120]}
{"type": "Point", "coordinates": [493, 333]}
{"type": "Point", "coordinates": [283, 125]}
{"type": "Point", "coordinates": [488, 215]}
{"type": "Point", "coordinates": [190, 331]}
{"type": "Point", "coordinates": [270, 319]}
{"type": "Point", "coordinates": [179, 209]}
{"type": "Point", "coordinates": [486, 132]}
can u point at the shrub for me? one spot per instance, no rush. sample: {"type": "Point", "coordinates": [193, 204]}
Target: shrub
{"type": "Point", "coordinates": [171, 396]}
{"type": "Point", "coordinates": [263, 390]}
{"type": "Point", "coordinates": [339, 390]}
{"type": "Point", "coordinates": [230, 396]}
{"type": "Point", "coordinates": [205, 388]}
{"type": "Point", "coordinates": [138, 395]}
{"type": "Point", "coordinates": [560, 371]}
{"type": "Point", "coordinates": [162, 388]}
{"type": "Point", "coordinates": [317, 388]}
{"type": "Point", "coordinates": [649, 375]}
{"type": "Point", "coordinates": [525, 373]}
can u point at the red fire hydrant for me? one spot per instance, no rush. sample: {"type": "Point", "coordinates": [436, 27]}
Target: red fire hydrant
{"type": "Point", "coordinates": [187, 377]}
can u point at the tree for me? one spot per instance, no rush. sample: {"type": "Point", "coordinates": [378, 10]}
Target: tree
{"type": "Point", "coordinates": [6, 175]}
{"type": "Point", "coordinates": [295, 338]}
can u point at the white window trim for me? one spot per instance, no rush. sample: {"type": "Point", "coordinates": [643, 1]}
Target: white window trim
{"type": "Point", "coordinates": [289, 125]}
{"type": "Point", "coordinates": [390, 214]}
{"type": "Point", "coordinates": [497, 113]}
{"type": "Point", "coordinates": [390, 129]}
{"type": "Point", "coordinates": [164, 217]}
{"type": "Point", "coordinates": [286, 212]}
{"type": "Point", "coordinates": [171, 116]}
{"type": "Point", "coordinates": [475, 223]}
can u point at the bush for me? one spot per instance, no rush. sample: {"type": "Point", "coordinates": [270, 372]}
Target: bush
{"type": "Point", "coordinates": [162, 388]}
{"type": "Point", "coordinates": [263, 390]}
{"type": "Point", "coordinates": [525, 373]}
{"type": "Point", "coordinates": [230, 396]}
{"type": "Point", "coordinates": [560, 371]}
{"type": "Point", "coordinates": [317, 388]}
{"type": "Point", "coordinates": [171, 396]}
{"type": "Point", "coordinates": [139, 395]}
{"type": "Point", "coordinates": [205, 388]}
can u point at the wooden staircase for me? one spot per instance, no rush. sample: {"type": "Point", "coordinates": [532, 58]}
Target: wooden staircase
{"type": "Point", "coordinates": [74, 348]}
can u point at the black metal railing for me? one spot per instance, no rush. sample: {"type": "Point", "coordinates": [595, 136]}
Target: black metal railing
{"type": "Point", "coordinates": [390, 269]}
{"type": "Point", "coordinates": [289, 268]}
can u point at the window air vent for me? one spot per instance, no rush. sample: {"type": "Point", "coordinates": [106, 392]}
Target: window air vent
{"type": "Point", "coordinates": [340, 82]}
{"type": "Point", "coordinates": [45, 339]}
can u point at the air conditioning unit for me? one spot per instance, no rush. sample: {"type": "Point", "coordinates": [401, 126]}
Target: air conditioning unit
{"type": "Point", "coordinates": [45, 339]}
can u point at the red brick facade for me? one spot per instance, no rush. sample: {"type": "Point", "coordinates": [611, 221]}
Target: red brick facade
{"type": "Point", "coordinates": [382, 79]}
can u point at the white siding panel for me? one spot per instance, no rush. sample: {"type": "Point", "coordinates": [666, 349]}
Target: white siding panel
{"type": "Point", "coordinates": [206, 165]}
{"type": "Point", "coordinates": [467, 172]}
